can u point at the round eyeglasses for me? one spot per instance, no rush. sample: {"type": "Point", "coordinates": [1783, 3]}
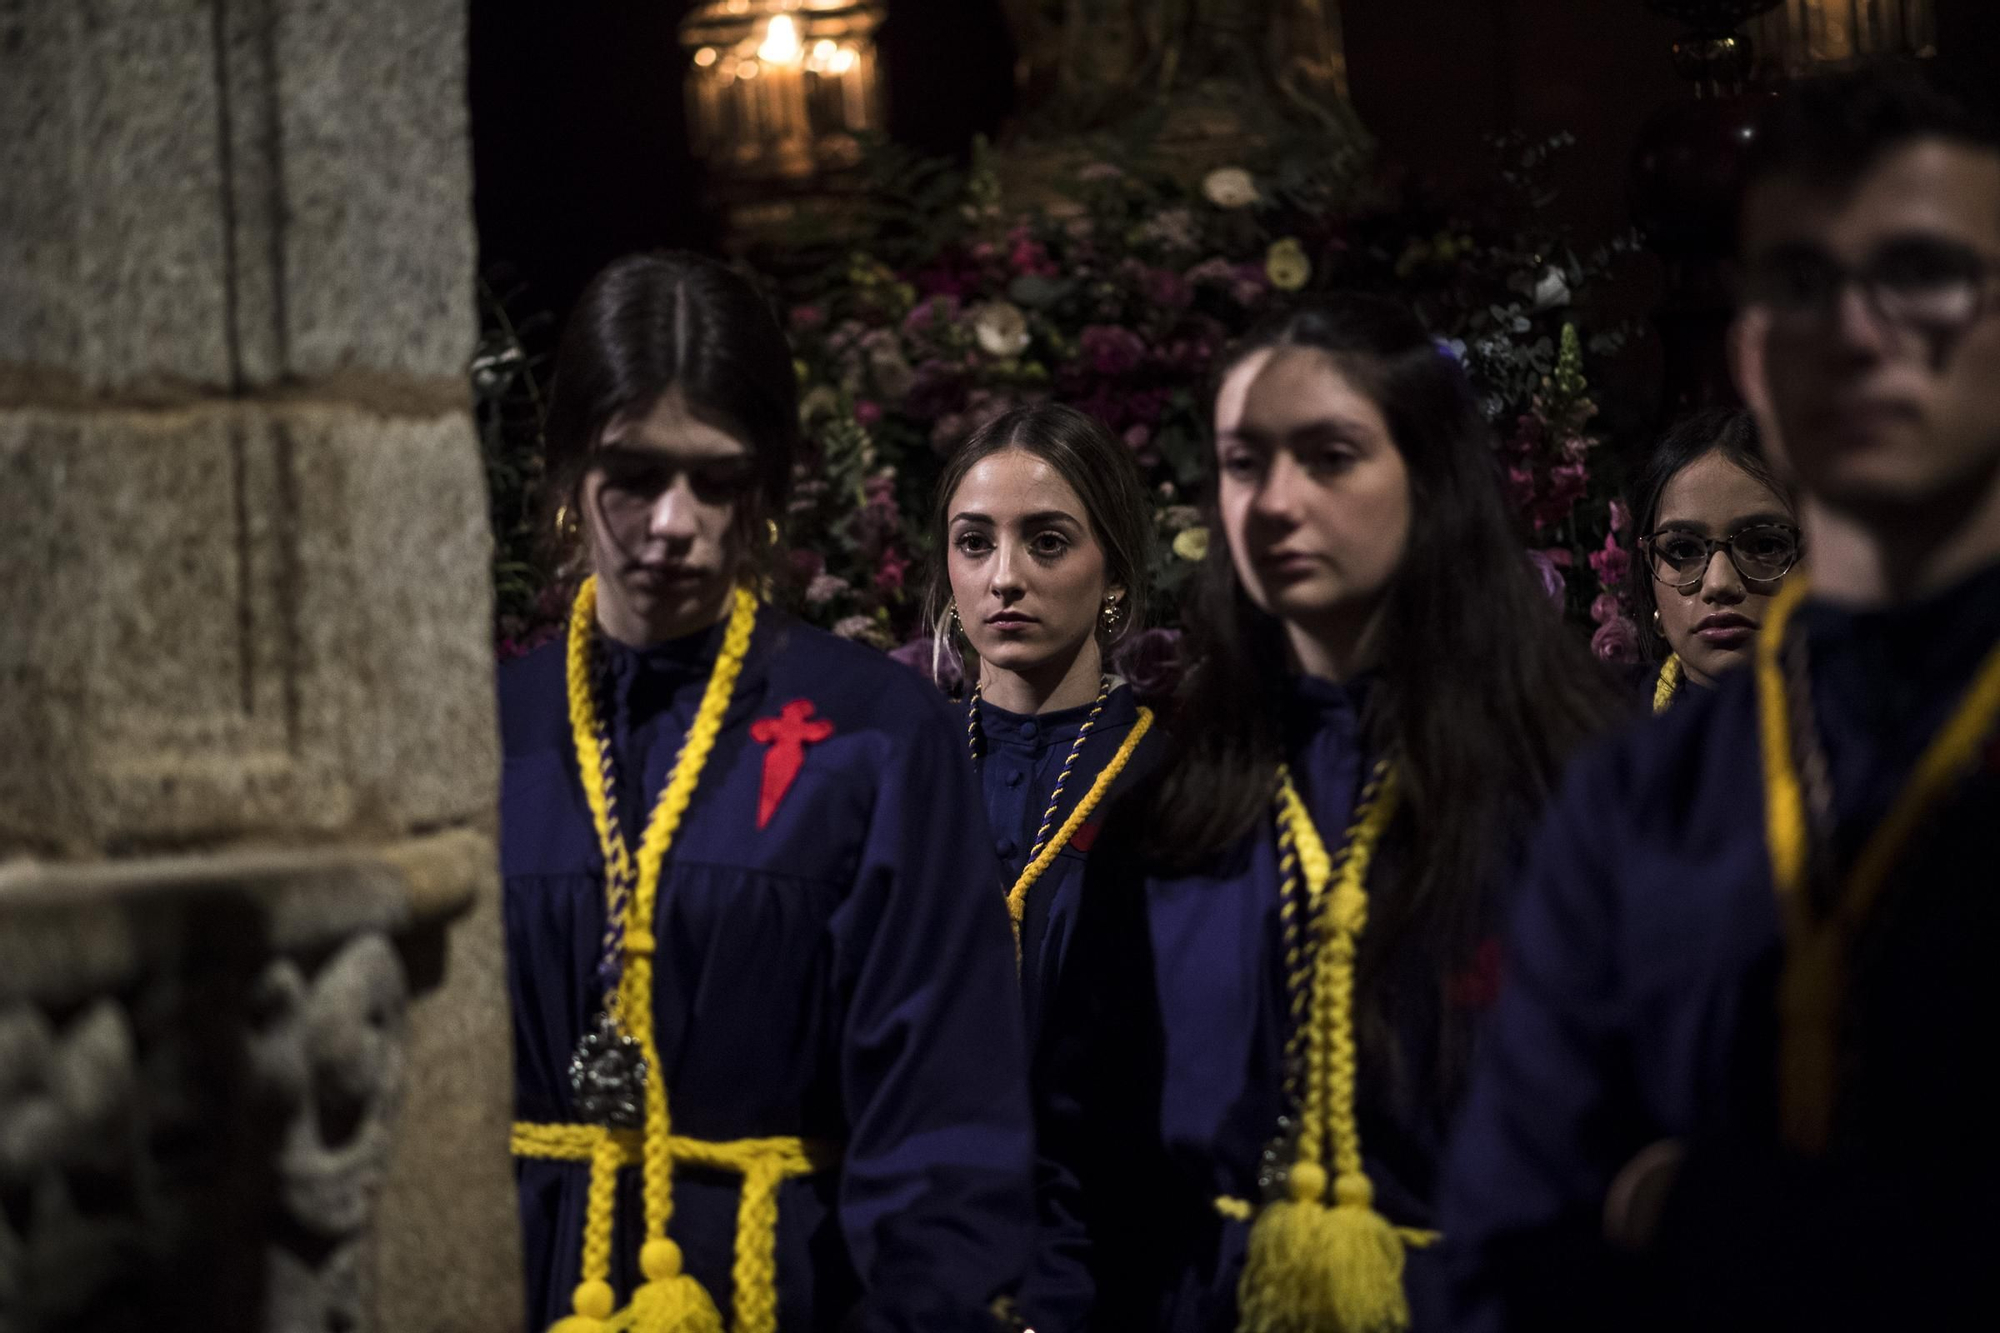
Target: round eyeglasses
{"type": "Point", "coordinates": [1761, 554]}
{"type": "Point", "coordinates": [1915, 282]}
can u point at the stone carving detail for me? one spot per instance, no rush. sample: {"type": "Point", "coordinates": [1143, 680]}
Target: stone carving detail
{"type": "Point", "coordinates": [67, 1159]}
{"type": "Point", "coordinates": [108, 1144]}
{"type": "Point", "coordinates": [329, 1052]}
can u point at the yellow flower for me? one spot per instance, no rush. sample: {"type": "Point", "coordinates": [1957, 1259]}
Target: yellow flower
{"type": "Point", "coordinates": [1286, 265]}
{"type": "Point", "coordinates": [1192, 544]}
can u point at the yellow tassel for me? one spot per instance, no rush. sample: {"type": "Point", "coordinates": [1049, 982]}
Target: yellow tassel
{"type": "Point", "coordinates": [1364, 1262]}
{"type": "Point", "coordinates": [1285, 1287]}
{"type": "Point", "coordinates": [592, 1302]}
{"type": "Point", "coordinates": [670, 1301]}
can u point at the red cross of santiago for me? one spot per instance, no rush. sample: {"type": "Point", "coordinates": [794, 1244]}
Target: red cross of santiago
{"type": "Point", "coordinates": [787, 734]}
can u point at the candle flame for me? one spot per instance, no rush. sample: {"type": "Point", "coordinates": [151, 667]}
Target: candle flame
{"type": "Point", "coordinates": [781, 45]}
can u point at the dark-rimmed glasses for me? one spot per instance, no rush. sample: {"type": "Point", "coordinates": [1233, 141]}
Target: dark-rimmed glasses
{"type": "Point", "coordinates": [1911, 282]}
{"type": "Point", "coordinates": [1680, 558]}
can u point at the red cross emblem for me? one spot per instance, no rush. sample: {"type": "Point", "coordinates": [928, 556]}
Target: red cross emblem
{"type": "Point", "coordinates": [787, 734]}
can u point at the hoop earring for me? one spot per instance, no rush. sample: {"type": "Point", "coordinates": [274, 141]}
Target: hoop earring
{"type": "Point", "coordinates": [566, 523]}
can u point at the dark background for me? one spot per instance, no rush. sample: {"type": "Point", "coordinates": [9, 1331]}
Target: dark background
{"type": "Point", "coordinates": [579, 141]}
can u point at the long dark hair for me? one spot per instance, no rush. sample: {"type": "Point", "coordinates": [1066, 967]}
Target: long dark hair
{"type": "Point", "coordinates": [1097, 467]}
{"type": "Point", "coordinates": [1729, 431]}
{"type": "Point", "coordinates": [1482, 693]}
{"type": "Point", "coordinates": [650, 324]}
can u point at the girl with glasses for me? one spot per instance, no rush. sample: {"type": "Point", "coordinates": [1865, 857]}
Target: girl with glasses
{"type": "Point", "coordinates": [1717, 535]}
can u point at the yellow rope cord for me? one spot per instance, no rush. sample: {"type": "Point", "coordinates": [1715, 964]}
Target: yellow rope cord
{"type": "Point", "coordinates": [1815, 957]}
{"type": "Point", "coordinates": [1311, 1267]}
{"type": "Point", "coordinates": [1668, 684]}
{"type": "Point", "coordinates": [1017, 897]}
{"type": "Point", "coordinates": [764, 1164]}
{"type": "Point", "coordinates": [668, 1300]}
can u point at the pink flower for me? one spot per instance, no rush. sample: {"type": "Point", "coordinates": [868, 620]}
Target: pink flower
{"type": "Point", "coordinates": [1605, 608]}
{"type": "Point", "coordinates": [1567, 484]}
{"type": "Point", "coordinates": [1138, 437]}
{"type": "Point", "coordinates": [1611, 563]}
{"type": "Point", "coordinates": [1616, 640]}
{"type": "Point", "coordinates": [1111, 349]}
{"type": "Point", "coordinates": [1519, 484]}
{"type": "Point", "coordinates": [806, 317]}
{"type": "Point", "coordinates": [889, 573]}
{"type": "Point", "coordinates": [867, 412]}
{"type": "Point", "coordinates": [1621, 517]}
{"type": "Point", "coordinates": [1028, 257]}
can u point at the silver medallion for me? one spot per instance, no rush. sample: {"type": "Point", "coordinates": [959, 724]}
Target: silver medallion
{"type": "Point", "coordinates": [607, 1077]}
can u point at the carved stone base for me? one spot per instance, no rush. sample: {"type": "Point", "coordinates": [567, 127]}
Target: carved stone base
{"type": "Point", "coordinates": [202, 1066]}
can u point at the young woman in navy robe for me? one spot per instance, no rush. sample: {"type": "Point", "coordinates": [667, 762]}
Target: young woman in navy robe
{"type": "Point", "coordinates": [1368, 611]}
{"type": "Point", "coordinates": [834, 1014]}
{"type": "Point", "coordinates": [1733, 1081]}
{"type": "Point", "coordinates": [1715, 535]}
{"type": "Point", "coordinates": [1039, 566]}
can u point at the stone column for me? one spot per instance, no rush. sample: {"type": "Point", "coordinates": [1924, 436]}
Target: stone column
{"type": "Point", "coordinates": [253, 1034]}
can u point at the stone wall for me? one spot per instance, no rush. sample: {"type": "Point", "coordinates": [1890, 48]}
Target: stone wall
{"type": "Point", "coordinates": [247, 749]}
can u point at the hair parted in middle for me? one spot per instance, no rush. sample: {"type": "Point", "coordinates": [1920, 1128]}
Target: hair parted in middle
{"type": "Point", "coordinates": [1728, 431]}
{"type": "Point", "coordinates": [1480, 693]}
{"type": "Point", "coordinates": [1097, 466]}
{"type": "Point", "coordinates": [652, 324]}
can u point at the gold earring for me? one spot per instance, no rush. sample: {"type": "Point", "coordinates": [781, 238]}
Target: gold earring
{"type": "Point", "coordinates": [566, 523]}
{"type": "Point", "coordinates": [1111, 612]}
{"type": "Point", "coordinates": [952, 608]}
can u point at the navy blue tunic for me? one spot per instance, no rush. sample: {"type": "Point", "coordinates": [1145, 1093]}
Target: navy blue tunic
{"type": "Point", "coordinates": [844, 974]}
{"type": "Point", "coordinates": [1021, 758]}
{"type": "Point", "coordinates": [1640, 1005]}
{"type": "Point", "coordinates": [1160, 1070]}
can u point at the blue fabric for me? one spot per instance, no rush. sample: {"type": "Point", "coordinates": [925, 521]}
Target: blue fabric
{"type": "Point", "coordinates": [845, 974]}
{"type": "Point", "coordinates": [1640, 1005]}
{"type": "Point", "coordinates": [1021, 757]}
{"type": "Point", "coordinates": [1160, 1071]}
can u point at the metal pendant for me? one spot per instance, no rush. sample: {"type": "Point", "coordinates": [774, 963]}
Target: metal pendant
{"type": "Point", "coordinates": [607, 1077]}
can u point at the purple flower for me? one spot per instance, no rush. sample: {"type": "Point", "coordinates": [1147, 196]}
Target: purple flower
{"type": "Point", "coordinates": [935, 662]}
{"type": "Point", "coordinates": [930, 316]}
{"type": "Point", "coordinates": [1150, 661]}
{"type": "Point", "coordinates": [1616, 640]}
{"type": "Point", "coordinates": [1550, 574]}
{"type": "Point", "coordinates": [1605, 608]}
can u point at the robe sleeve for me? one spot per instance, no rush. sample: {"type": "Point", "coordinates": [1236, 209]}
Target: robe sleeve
{"type": "Point", "coordinates": [1100, 1199]}
{"type": "Point", "coordinates": [1551, 1114]}
{"type": "Point", "coordinates": [936, 1197]}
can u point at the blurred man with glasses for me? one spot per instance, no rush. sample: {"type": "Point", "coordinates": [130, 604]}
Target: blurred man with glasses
{"type": "Point", "coordinates": [1736, 1076]}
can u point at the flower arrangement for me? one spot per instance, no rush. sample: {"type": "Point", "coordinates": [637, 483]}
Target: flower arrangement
{"type": "Point", "coordinates": [946, 307]}
{"type": "Point", "coordinates": [1117, 296]}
